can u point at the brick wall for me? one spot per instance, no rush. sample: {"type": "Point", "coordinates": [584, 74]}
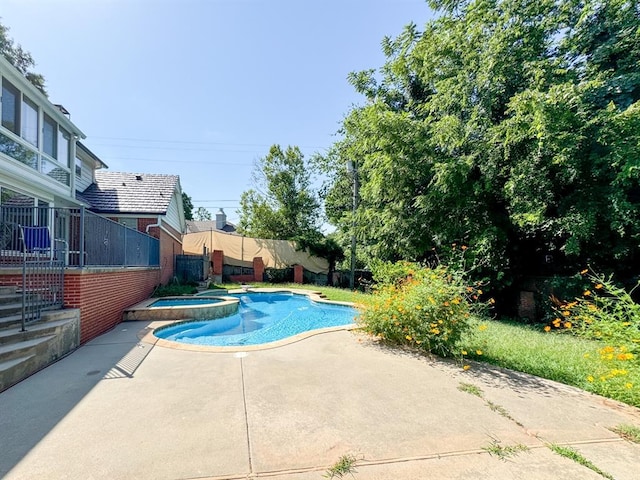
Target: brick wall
{"type": "Point", "coordinates": [102, 296]}
{"type": "Point", "coordinates": [169, 246]}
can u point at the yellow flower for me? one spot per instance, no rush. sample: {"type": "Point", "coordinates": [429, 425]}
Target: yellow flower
{"type": "Point", "coordinates": [599, 286]}
{"type": "Point", "coordinates": [463, 247]}
{"type": "Point", "coordinates": [547, 328]}
{"type": "Point", "coordinates": [590, 378]}
{"type": "Point", "coordinates": [466, 367]}
{"type": "Point", "coordinates": [587, 293]}
{"type": "Point", "coordinates": [567, 325]}
{"type": "Point", "coordinates": [456, 301]}
{"type": "Point", "coordinates": [584, 272]}
{"type": "Point", "coordinates": [478, 352]}
{"type": "Point", "coordinates": [628, 385]}
{"type": "Point", "coordinates": [482, 327]}
{"type": "Point", "coordinates": [418, 307]}
{"type": "Point", "coordinates": [408, 337]}
{"type": "Point", "coordinates": [556, 322]}
{"type": "Point", "coordinates": [479, 292]}
{"type": "Point", "coordinates": [464, 352]}
{"type": "Point", "coordinates": [566, 313]}
{"type": "Point", "coordinates": [492, 301]}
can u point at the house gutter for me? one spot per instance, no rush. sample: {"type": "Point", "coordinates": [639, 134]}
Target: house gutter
{"type": "Point", "coordinates": [159, 225]}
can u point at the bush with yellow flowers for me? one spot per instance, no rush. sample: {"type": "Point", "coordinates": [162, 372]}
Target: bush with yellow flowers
{"type": "Point", "coordinates": [604, 312]}
{"type": "Point", "coordinates": [422, 307]}
{"type": "Point", "coordinates": [607, 313]}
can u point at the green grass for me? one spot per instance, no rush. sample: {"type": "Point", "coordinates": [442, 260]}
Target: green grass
{"type": "Point", "coordinates": [573, 454]}
{"type": "Point", "coordinates": [470, 389]}
{"type": "Point", "coordinates": [556, 356]}
{"type": "Point", "coordinates": [504, 451]}
{"type": "Point", "coordinates": [628, 432]}
{"type": "Point", "coordinates": [332, 293]}
{"type": "Point", "coordinates": [346, 465]}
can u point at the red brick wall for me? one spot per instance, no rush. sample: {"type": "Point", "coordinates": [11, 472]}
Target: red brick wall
{"type": "Point", "coordinates": [169, 246]}
{"type": "Point", "coordinates": [101, 295]}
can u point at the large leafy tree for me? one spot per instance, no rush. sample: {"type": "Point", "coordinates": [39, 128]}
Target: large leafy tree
{"type": "Point", "coordinates": [282, 204]}
{"type": "Point", "coordinates": [509, 125]}
{"type": "Point", "coordinates": [20, 58]}
{"type": "Point", "coordinates": [187, 205]}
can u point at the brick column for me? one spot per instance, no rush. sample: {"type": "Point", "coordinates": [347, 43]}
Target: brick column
{"type": "Point", "coordinates": [258, 269]}
{"type": "Point", "coordinates": [298, 275]}
{"type": "Point", "coordinates": [217, 257]}
{"type": "Point", "coordinates": [527, 306]}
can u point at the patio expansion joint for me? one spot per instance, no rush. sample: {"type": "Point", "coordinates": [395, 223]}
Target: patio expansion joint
{"type": "Point", "coordinates": [246, 417]}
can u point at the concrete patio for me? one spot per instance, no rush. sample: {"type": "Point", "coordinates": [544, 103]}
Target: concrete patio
{"type": "Point", "coordinates": [119, 408]}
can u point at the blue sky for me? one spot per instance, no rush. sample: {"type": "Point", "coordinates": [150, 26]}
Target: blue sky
{"type": "Point", "coordinates": [202, 88]}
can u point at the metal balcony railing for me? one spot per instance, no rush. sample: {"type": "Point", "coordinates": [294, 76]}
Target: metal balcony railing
{"type": "Point", "coordinates": [90, 239]}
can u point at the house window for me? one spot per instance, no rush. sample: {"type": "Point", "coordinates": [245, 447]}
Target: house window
{"type": "Point", "coordinates": [63, 147]}
{"type": "Point", "coordinates": [129, 222]}
{"type": "Point", "coordinates": [49, 145]}
{"type": "Point", "coordinates": [29, 120]}
{"type": "Point", "coordinates": [78, 168]}
{"type": "Point", "coordinates": [10, 107]}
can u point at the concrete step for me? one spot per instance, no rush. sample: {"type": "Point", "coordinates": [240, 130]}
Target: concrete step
{"type": "Point", "coordinates": [22, 354]}
{"type": "Point", "coordinates": [12, 308]}
{"type": "Point", "coordinates": [7, 321]}
{"type": "Point", "coordinates": [16, 369]}
{"type": "Point", "coordinates": [14, 334]}
{"type": "Point", "coordinates": [13, 350]}
{"type": "Point", "coordinates": [10, 298]}
{"type": "Point", "coordinates": [8, 290]}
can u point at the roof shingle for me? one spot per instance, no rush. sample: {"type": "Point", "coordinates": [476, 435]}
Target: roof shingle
{"type": "Point", "coordinates": [120, 192]}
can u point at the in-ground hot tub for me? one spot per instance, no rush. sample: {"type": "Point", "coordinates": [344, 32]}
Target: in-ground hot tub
{"type": "Point", "coordinates": [182, 308]}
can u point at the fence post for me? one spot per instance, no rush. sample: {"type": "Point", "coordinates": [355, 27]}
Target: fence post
{"type": "Point", "coordinates": [81, 246]}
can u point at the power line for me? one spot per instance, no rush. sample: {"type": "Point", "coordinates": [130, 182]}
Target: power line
{"type": "Point", "coordinates": [175, 160]}
{"type": "Point", "coordinates": [193, 142]}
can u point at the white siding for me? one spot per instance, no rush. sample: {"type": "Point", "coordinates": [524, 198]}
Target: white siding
{"type": "Point", "coordinates": [173, 214]}
{"type": "Point", "coordinates": [87, 176]}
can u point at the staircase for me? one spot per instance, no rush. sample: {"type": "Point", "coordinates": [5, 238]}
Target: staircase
{"type": "Point", "coordinates": [55, 335]}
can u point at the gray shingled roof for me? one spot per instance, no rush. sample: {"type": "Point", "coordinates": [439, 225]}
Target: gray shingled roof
{"type": "Point", "coordinates": [119, 192]}
{"type": "Point", "coordinates": [194, 226]}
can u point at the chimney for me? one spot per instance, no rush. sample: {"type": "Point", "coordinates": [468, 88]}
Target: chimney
{"type": "Point", "coordinates": [221, 219]}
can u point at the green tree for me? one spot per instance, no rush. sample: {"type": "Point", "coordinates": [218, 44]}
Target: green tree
{"type": "Point", "coordinates": [282, 205]}
{"type": "Point", "coordinates": [202, 214]}
{"type": "Point", "coordinates": [20, 58]}
{"type": "Point", "coordinates": [509, 125]}
{"type": "Point", "coordinates": [187, 205]}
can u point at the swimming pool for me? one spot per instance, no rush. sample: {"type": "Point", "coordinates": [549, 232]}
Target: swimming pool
{"type": "Point", "coordinates": [261, 318]}
{"type": "Point", "coordinates": [183, 301]}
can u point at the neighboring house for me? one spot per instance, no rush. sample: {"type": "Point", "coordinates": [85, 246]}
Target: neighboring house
{"type": "Point", "coordinates": [149, 203]}
{"type": "Point", "coordinates": [219, 224]}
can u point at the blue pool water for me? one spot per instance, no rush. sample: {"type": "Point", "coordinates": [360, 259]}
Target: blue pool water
{"type": "Point", "coordinates": [261, 318]}
{"type": "Point", "coordinates": [182, 302]}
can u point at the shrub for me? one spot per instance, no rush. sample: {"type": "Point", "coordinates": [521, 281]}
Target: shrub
{"type": "Point", "coordinates": [425, 308]}
{"type": "Point", "coordinates": [607, 313]}
{"type": "Point", "coordinates": [604, 312]}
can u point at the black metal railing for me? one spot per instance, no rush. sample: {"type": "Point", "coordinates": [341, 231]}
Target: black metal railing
{"type": "Point", "coordinates": [42, 276]}
{"type": "Point", "coordinates": [90, 239]}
